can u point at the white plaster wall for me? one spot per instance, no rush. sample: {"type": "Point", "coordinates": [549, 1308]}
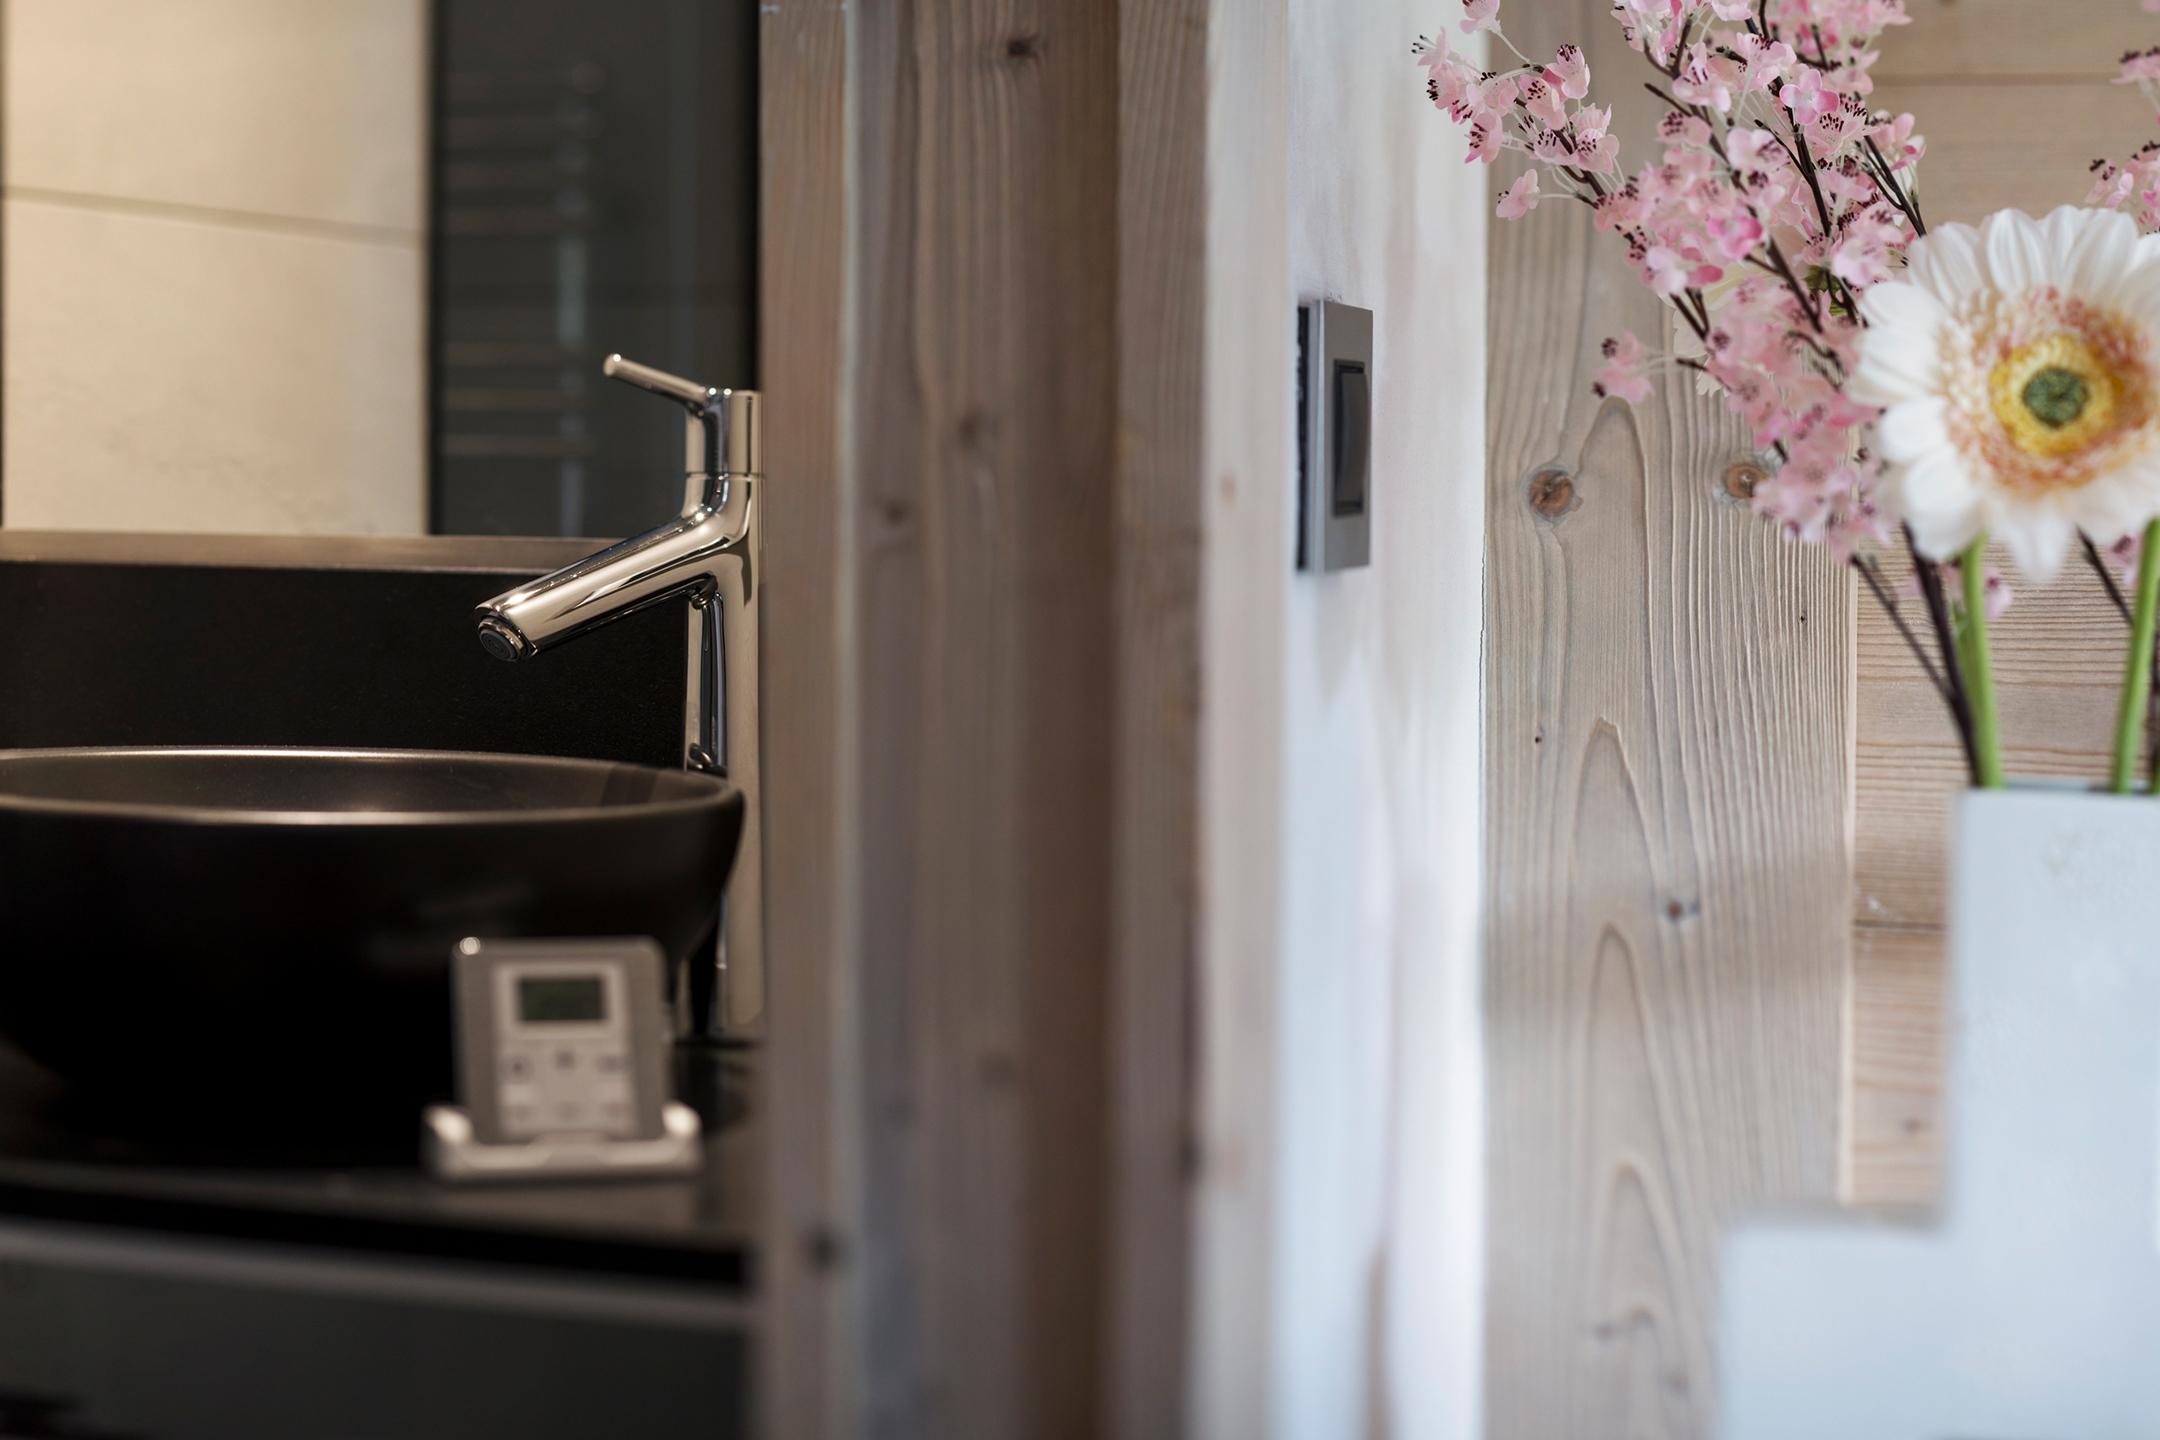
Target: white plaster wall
{"type": "Point", "coordinates": [1343, 752]}
{"type": "Point", "coordinates": [1247, 451]}
{"type": "Point", "coordinates": [1381, 1164]}
{"type": "Point", "coordinates": [216, 269]}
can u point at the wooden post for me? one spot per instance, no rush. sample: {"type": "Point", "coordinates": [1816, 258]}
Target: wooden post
{"type": "Point", "coordinates": [982, 324]}
{"type": "Point", "coordinates": [810, 1123]}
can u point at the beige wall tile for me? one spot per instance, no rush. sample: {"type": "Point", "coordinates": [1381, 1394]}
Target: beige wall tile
{"type": "Point", "coordinates": [305, 109]}
{"type": "Point", "coordinates": [166, 374]}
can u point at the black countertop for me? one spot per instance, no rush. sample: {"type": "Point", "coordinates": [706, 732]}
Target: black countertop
{"type": "Point", "coordinates": [56, 1165]}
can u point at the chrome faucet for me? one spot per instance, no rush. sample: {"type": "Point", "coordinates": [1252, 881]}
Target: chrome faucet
{"type": "Point", "coordinates": [709, 555]}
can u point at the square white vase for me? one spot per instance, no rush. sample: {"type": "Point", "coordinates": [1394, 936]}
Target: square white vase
{"type": "Point", "coordinates": [2028, 1307]}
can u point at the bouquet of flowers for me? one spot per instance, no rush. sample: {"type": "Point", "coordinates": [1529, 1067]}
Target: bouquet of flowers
{"type": "Point", "coordinates": [1928, 389]}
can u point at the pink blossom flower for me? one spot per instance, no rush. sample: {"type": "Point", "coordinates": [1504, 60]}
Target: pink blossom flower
{"type": "Point", "coordinates": [1490, 99]}
{"type": "Point", "coordinates": [1854, 77]}
{"type": "Point", "coordinates": [1480, 15]}
{"type": "Point", "coordinates": [1861, 256]}
{"type": "Point", "coordinates": [1552, 148]}
{"type": "Point", "coordinates": [1704, 80]}
{"type": "Point", "coordinates": [1448, 76]}
{"type": "Point", "coordinates": [1621, 210]}
{"type": "Point", "coordinates": [1736, 232]}
{"type": "Point", "coordinates": [1899, 145]}
{"type": "Point", "coordinates": [1762, 62]}
{"type": "Point", "coordinates": [1600, 156]}
{"type": "Point", "coordinates": [1837, 125]}
{"type": "Point", "coordinates": [1484, 144]}
{"type": "Point", "coordinates": [1621, 376]}
{"type": "Point", "coordinates": [1520, 198]}
{"type": "Point", "coordinates": [1670, 272]}
{"type": "Point", "coordinates": [1805, 96]}
{"type": "Point", "coordinates": [1664, 270]}
{"type": "Point", "coordinates": [2114, 187]}
{"type": "Point", "coordinates": [1993, 586]}
{"type": "Point", "coordinates": [2123, 555]}
{"type": "Point", "coordinates": [1544, 103]}
{"type": "Point", "coordinates": [2140, 67]}
{"type": "Point", "coordinates": [1750, 150]}
{"type": "Point", "coordinates": [1595, 149]}
{"type": "Point", "coordinates": [1569, 72]}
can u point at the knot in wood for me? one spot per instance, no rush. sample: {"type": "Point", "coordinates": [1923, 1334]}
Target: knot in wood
{"type": "Point", "coordinates": [1742, 476]}
{"type": "Point", "coordinates": [823, 1248]}
{"type": "Point", "coordinates": [1552, 493]}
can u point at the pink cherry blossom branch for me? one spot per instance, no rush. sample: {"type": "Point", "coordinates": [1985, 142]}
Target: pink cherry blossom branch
{"type": "Point", "coordinates": [2133, 184]}
{"type": "Point", "coordinates": [1774, 204]}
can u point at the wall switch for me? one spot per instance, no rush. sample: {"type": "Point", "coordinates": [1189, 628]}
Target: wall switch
{"type": "Point", "coordinates": [1335, 390]}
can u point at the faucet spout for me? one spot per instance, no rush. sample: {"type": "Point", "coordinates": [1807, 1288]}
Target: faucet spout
{"type": "Point", "coordinates": [708, 556]}
{"type": "Point", "coordinates": [691, 556]}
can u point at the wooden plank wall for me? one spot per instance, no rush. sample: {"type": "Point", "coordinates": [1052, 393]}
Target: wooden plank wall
{"type": "Point", "coordinates": [1668, 772]}
{"type": "Point", "coordinates": [2014, 100]}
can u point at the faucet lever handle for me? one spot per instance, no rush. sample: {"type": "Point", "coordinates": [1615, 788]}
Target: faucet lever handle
{"type": "Point", "coordinates": [689, 392]}
{"type": "Point", "coordinates": [722, 438]}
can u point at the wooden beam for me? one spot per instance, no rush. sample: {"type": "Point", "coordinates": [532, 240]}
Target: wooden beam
{"type": "Point", "coordinates": [986, 557]}
{"type": "Point", "coordinates": [1161, 332]}
{"type": "Point", "coordinates": [810, 1123]}
{"type": "Point", "coordinates": [1668, 782]}
{"type": "Point", "coordinates": [984, 258]}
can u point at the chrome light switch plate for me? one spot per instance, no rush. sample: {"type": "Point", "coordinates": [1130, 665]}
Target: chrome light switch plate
{"type": "Point", "coordinates": [1335, 428]}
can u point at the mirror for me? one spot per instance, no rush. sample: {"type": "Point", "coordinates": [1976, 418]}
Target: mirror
{"type": "Point", "coordinates": [351, 266]}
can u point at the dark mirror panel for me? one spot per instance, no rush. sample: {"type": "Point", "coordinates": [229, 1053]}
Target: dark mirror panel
{"type": "Point", "coordinates": [594, 189]}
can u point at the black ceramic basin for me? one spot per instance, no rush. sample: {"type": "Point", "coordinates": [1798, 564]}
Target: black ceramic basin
{"type": "Point", "coordinates": [256, 938]}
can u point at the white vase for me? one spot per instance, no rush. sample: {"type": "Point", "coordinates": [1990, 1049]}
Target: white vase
{"type": "Point", "coordinates": [2029, 1305]}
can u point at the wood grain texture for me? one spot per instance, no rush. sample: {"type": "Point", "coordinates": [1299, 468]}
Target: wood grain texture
{"type": "Point", "coordinates": [2015, 39]}
{"type": "Point", "coordinates": [2002, 132]}
{"type": "Point", "coordinates": [1895, 1127]}
{"type": "Point", "coordinates": [1668, 765]}
{"type": "Point", "coordinates": [985, 329]}
{"type": "Point", "coordinates": [1994, 145]}
{"type": "Point", "coordinates": [984, 254]}
{"type": "Point", "coordinates": [807, 1369]}
{"type": "Point", "coordinates": [1161, 335]}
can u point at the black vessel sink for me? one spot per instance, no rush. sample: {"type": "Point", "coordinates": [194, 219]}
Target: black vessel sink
{"type": "Point", "coordinates": [242, 939]}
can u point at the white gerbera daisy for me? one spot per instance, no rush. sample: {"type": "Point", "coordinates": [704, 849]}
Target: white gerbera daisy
{"type": "Point", "coordinates": [2020, 367]}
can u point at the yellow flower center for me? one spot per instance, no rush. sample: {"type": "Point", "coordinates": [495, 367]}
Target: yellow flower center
{"type": "Point", "coordinates": [2055, 397]}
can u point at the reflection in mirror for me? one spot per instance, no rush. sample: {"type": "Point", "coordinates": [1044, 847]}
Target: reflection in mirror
{"type": "Point", "coordinates": [350, 266]}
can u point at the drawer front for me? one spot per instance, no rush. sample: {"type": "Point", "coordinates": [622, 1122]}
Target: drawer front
{"type": "Point", "coordinates": [110, 1334]}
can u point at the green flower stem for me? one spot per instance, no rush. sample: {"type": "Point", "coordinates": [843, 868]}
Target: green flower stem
{"type": "Point", "coordinates": [1980, 667]}
{"type": "Point", "coordinates": [2137, 679]}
